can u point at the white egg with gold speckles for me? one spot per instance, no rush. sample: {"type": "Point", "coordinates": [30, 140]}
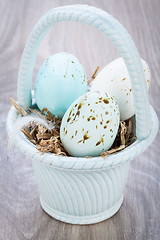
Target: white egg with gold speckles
{"type": "Point", "coordinates": [114, 79]}
{"type": "Point", "coordinates": [89, 127]}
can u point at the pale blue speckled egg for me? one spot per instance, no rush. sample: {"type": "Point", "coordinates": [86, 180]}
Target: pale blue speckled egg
{"type": "Point", "coordinates": [60, 81]}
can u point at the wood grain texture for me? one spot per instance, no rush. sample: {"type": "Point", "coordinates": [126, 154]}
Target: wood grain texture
{"type": "Point", "coordinates": [21, 216]}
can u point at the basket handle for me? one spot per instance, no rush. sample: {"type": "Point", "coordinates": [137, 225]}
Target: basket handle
{"type": "Point", "coordinates": [114, 31]}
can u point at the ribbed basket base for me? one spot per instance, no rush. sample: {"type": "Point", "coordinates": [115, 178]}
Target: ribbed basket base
{"type": "Point", "coordinates": [81, 219]}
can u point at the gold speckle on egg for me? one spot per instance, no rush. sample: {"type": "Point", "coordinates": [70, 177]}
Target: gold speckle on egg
{"type": "Point", "coordinates": [85, 137]}
{"type": "Point", "coordinates": [123, 79]}
{"type": "Point", "coordinates": [70, 112]}
{"type": "Point", "coordinates": [106, 112]}
{"type": "Point", "coordinates": [101, 141]}
{"type": "Point", "coordinates": [65, 132]}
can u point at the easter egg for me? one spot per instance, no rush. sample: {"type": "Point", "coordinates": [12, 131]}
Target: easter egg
{"type": "Point", "coordinates": [89, 126]}
{"type": "Point", "coordinates": [60, 81]}
{"type": "Point", "coordinates": [114, 79]}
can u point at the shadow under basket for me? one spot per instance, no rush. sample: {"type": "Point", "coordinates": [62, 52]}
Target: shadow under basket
{"type": "Point", "coordinates": [84, 190]}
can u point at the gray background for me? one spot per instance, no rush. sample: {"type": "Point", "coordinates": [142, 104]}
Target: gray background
{"type": "Point", "coordinates": [21, 216]}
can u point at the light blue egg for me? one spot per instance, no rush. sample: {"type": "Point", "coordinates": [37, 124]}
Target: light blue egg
{"type": "Point", "coordinates": [60, 81]}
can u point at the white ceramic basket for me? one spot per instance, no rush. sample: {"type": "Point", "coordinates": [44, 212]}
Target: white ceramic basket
{"type": "Point", "coordinates": [82, 190]}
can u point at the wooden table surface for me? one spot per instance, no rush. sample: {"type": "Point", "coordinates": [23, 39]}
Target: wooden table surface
{"type": "Point", "coordinates": [21, 216]}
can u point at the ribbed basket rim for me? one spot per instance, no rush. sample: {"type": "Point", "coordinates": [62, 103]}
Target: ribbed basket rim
{"type": "Point", "coordinates": [81, 163]}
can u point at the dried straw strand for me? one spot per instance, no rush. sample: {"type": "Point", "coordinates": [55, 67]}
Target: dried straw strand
{"type": "Point", "coordinates": [93, 76]}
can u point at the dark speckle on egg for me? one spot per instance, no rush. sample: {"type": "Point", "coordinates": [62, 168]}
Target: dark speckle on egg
{"type": "Point", "coordinates": [79, 106]}
{"type": "Point", "coordinates": [98, 143]}
{"type": "Point", "coordinates": [68, 119]}
{"type": "Point", "coordinates": [105, 101]}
